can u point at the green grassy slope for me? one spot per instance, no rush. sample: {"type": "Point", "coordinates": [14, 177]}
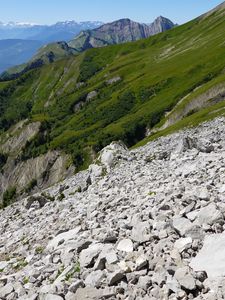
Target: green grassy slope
{"type": "Point", "coordinates": [156, 74]}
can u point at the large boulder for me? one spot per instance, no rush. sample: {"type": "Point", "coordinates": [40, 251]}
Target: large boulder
{"type": "Point", "coordinates": [110, 155]}
{"type": "Point", "coordinates": [211, 258]}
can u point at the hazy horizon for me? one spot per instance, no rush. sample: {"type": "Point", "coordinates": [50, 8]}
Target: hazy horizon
{"type": "Point", "coordinates": [144, 11]}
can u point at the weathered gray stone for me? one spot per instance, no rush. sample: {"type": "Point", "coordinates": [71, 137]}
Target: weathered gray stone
{"type": "Point", "coordinates": [181, 225]}
{"type": "Point", "coordinates": [94, 279]}
{"type": "Point", "coordinates": [185, 279]}
{"type": "Point", "coordinates": [65, 236]}
{"type": "Point", "coordinates": [209, 214]}
{"type": "Point", "coordinates": [182, 244]}
{"type": "Point", "coordinates": [115, 277]}
{"type": "Point", "coordinates": [75, 286]}
{"type": "Point", "coordinates": [6, 290]}
{"type": "Point", "coordinates": [88, 256]}
{"type": "Point", "coordinates": [89, 293]}
{"type": "Point", "coordinates": [141, 232]}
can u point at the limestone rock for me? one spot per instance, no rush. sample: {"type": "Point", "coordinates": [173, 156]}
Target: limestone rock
{"type": "Point", "coordinates": [125, 245]}
{"type": "Point", "coordinates": [211, 258]}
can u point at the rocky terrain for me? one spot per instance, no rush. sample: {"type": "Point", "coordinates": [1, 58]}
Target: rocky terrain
{"type": "Point", "coordinates": [142, 224]}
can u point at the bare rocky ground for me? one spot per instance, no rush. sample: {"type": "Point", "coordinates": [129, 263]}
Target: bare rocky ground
{"type": "Point", "coordinates": [142, 224]}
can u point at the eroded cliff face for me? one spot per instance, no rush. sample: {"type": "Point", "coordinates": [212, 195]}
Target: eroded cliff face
{"type": "Point", "coordinates": [34, 174]}
{"type": "Point", "coordinates": [191, 104]}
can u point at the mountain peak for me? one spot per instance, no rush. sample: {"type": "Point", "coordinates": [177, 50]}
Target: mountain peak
{"type": "Point", "coordinates": [119, 31]}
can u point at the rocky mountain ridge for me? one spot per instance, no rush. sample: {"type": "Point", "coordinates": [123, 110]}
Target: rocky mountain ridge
{"type": "Point", "coordinates": [138, 224]}
{"type": "Point", "coordinates": [121, 31]}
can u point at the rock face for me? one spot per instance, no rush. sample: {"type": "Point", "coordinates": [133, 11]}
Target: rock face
{"type": "Point", "coordinates": [45, 170]}
{"type": "Point", "coordinates": [141, 224]}
{"type": "Point", "coordinates": [118, 32]}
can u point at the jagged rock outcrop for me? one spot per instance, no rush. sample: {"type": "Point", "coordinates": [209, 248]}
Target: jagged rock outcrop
{"type": "Point", "coordinates": [141, 224]}
{"type": "Point", "coordinates": [118, 32]}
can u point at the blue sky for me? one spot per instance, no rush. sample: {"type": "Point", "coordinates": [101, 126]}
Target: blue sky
{"type": "Point", "coordinates": [51, 11]}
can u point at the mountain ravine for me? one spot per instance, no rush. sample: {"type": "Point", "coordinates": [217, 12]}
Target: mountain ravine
{"type": "Point", "coordinates": [142, 224]}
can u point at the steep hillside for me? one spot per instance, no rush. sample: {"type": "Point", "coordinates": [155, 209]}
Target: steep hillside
{"type": "Point", "coordinates": [118, 32]}
{"type": "Point", "coordinates": [121, 92]}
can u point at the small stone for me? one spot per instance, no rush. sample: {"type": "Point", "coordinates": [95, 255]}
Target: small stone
{"type": "Point", "coordinates": [52, 297]}
{"type": "Point", "coordinates": [141, 232]}
{"type": "Point", "coordinates": [185, 279]}
{"type": "Point", "coordinates": [141, 262]}
{"type": "Point", "coordinates": [183, 244]}
{"type": "Point", "coordinates": [144, 282]}
{"type": "Point", "coordinates": [88, 255]}
{"type": "Point", "coordinates": [125, 245]}
{"type": "Point", "coordinates": [75, 286]}
{"type": "Point", "coordinates": [115, 277]}
{"type": "Point", "coordinates": [6, 290]}
{"type": "Point", "coordinates": [94, 279]}
{"type": "Point", "coordinates": [181, 225]}
{"type": "Point", "coordinates": [89, 293]}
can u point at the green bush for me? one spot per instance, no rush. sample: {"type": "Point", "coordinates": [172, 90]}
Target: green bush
{"type": "Point", "coordinates": [31, 185]}
{"type": "Point", "coordinates": [9, 196]}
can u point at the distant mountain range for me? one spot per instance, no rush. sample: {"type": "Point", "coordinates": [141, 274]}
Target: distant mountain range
{"type": "Point", "coordinates": [46, 33]}
{"type": "Point", "coordinates": [20, 41]}
{"type": "Point", "coordinates": [117, 32]}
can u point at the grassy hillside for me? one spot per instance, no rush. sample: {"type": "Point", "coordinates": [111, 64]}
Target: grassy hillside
{"type": "Point", "coordinates": [155, 75]}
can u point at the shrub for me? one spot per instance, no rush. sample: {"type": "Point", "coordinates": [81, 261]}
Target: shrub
{"type": "Point", "coordinates": [31, 185]}
{"type": "Point", "coordinates": [9, 196]}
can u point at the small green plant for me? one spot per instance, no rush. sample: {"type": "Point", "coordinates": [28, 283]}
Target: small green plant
{"type": "Point", "coordinates": [47, 196]}
{"type": "Point", "coordinates": [151, 193]}
{"type": "Point", "coordinates": [79, 189]}
{"type": "Point", "coordinates": [25, 241]}
{"type": "Point", "coordinates": [104, 172]}
{"type": "Point", "coordinates": [70, 274]}
{"type": "Point", "coordinates": [25, 280]}
{"type": "Point", "coordinates": [22, 263]}
{"type": "Point", "coordinates": [150, 158]}
{"type": "Point", "coordinates": [77, 267]}
{"type": "Point", "coordinates": [1, 270]}
{"type": "Point", "coordinates": [60, 270]}
{"type": "Point", "coordinates": [39, 250]}
{"type": "Point", "coordinates": [61, 197]}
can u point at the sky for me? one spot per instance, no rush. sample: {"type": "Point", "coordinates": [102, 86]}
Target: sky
{"type": "Point", "coordinates": [51, 11]}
